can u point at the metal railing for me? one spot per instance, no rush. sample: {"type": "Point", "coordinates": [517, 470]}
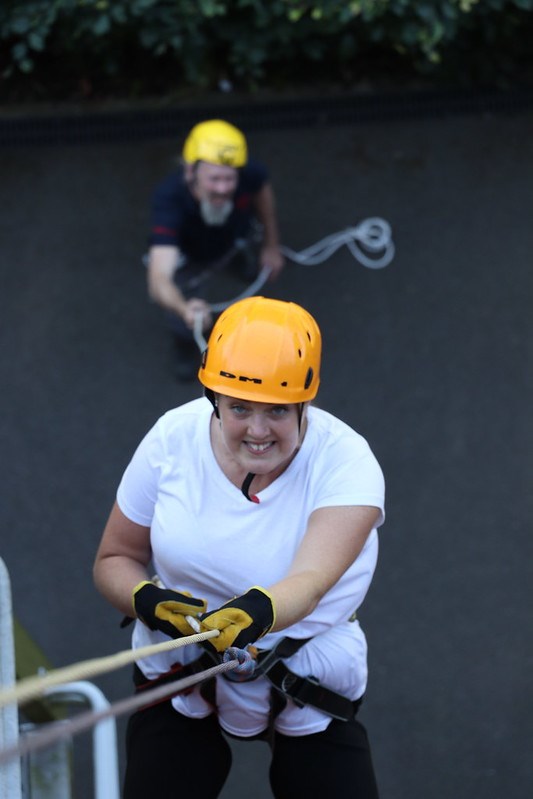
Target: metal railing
{"type": "Point", "coordinates": [10, 779]}
{"type": "Point", "coordinates": [48, 774]}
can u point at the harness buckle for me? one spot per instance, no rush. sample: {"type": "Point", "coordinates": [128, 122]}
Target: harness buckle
{"type": "Point", "coordinates": [292, 685]}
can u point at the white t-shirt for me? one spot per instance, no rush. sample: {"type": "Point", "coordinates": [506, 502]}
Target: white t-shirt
{"type": "Point", "coordinates": [207, 538]}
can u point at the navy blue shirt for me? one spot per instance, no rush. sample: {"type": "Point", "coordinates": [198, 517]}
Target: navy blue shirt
{"type": "Point", "coordinates": [176, 218]}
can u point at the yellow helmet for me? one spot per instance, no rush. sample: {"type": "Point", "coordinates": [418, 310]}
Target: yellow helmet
{"type": "Point", "coordinates": [217, 142]}
{"type": "Point", "coordinates": [263, 350]}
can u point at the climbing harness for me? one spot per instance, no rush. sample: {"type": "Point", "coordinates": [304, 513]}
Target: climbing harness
{"type": "Point", "coordinates": [268, 663]}
{"type": "Point", "coordinates": [301, 690]}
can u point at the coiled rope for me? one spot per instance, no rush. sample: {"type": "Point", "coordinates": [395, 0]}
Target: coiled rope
{"type": "Point", "coordinates": [370, 242]}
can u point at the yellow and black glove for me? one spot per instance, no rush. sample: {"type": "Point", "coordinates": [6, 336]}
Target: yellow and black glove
{"type": "Point", "coordinates": [242, 620]}
{"type": "Point", "coordinates": [165, 610]}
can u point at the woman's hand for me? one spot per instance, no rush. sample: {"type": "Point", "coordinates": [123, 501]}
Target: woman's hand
{"type": "Point", "coordinates": [242, 620]}
{"type": "Point", "coordinates": [165, 610]}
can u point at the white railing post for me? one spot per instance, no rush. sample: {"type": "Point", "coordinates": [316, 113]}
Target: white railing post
{"type": "Point", "coordinates": [105, 752]}
{"type": "Point", "coordinates": [10, 776]}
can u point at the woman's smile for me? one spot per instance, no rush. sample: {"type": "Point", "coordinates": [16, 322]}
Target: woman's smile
{"type": "Point", "coordinates": [259, 448]}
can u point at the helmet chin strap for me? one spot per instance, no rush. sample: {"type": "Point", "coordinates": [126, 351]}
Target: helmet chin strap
{"type": "Point", "coordinates": [246, 487]}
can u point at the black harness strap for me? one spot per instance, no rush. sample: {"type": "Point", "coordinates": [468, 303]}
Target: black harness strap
{"type": "Point", "coordinates": [302, 690]}
{"type": "Point", "coordinates": [308, 691]}
{"type": "Point", "coordinates": [285, 648]}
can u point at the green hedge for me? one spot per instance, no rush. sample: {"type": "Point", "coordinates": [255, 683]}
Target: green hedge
{"type": "Point", "coordinates": [55, 48]}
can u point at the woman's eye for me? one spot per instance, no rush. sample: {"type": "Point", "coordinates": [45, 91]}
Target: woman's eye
{"type": "Point", "coordinates": [280, 410]}
{"type": "Point", "coordinates": [238, 409]}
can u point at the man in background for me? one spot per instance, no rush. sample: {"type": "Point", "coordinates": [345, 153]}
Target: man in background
{"type": "Point", "coordinates": [202, 220]}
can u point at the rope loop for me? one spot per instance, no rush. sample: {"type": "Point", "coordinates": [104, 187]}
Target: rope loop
{"type": "Point", "coordinates": [365, 241]}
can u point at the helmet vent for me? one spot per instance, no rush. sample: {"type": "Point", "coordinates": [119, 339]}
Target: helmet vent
{"type": "Point", "coordinates": [308, 378]}
{"type": "Point", "coordinates": [284, 384]}
{"type": "Point", "coordinates": [299, 353]}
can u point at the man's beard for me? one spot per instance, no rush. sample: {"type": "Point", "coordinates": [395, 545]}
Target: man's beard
{"type": "Point", "coordinates": [215, 214]}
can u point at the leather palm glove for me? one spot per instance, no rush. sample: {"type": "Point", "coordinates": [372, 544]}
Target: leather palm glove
{"type": "Point", "coordinates": [165, 610]}
{"type": "Point", "coordinates": [242, 620]}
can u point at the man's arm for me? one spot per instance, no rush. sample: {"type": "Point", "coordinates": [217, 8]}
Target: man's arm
{"type": "Point", "coordinates": [265, 206]}
{"type": "Point", "coordinates": [163, 260]}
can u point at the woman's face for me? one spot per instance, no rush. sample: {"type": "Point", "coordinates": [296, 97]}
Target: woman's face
{"type": "Point", "coordinates": [260, 436]}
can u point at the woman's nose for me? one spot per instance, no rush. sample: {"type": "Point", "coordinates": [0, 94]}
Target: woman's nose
{"type": "Point", "coordinates": [258, 425]}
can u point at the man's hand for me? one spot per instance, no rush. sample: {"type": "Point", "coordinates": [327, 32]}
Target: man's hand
{"type": "Point", "coordinates": [272, 258]}
{"type": "Point", "coordinates": [196, 307]}
{"type": "Point", "coordinates": [165, 610]}
{"type": "Point", "coordinates": [242, 620]}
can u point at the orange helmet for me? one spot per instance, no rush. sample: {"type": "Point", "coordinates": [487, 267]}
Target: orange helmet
{"type": "Point", "coordinates": [263, 350]}
{"type": "Point", "coordinates": [217, 142]}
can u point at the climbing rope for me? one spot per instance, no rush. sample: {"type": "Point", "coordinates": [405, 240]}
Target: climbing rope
{"type": "Point", "coordinates": [236, 659]}
{"type": "Point", "coordinates": [252, 289]}
{"type": "Point", "coordinates": [60, 730]}
{"type": "Point", "coordinates": [33, 687]}
{"type": "Point", "coordinates": [370, 242]}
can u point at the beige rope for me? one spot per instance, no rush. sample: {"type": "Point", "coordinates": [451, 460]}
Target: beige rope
{"type": "Point", "coordinates": [32, 687]}
{"type": "Point", "coordinates": [65, 729]}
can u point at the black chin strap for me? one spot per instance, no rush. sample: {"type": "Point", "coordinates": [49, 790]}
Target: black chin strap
{"type": "Point", "coordinates": [213, 400]}
{"type": "Point", "coordinates": [246, 487]}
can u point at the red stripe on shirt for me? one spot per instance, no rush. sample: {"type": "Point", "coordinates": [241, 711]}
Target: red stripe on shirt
{"type": "Point", "coordinates": [164, 231]}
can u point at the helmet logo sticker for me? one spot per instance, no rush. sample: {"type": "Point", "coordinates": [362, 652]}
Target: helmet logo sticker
{"type": "Point", "coordinates": [227, 155]}
{"type": "Point", "coordinates": [242, 378]}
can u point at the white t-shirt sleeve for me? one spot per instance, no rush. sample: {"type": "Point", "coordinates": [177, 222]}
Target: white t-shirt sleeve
{"type": "Point", "coordinates": [353, 476]}
{"type": "Point", "coordinates": [137, 491]}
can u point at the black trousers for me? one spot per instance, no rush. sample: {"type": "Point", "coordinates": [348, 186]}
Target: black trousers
{"type": "Point", "coordinates": [171, 756]}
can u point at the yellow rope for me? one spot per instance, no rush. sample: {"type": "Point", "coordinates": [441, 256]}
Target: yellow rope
{"type": "Point", "coordinates": [32, 687]}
